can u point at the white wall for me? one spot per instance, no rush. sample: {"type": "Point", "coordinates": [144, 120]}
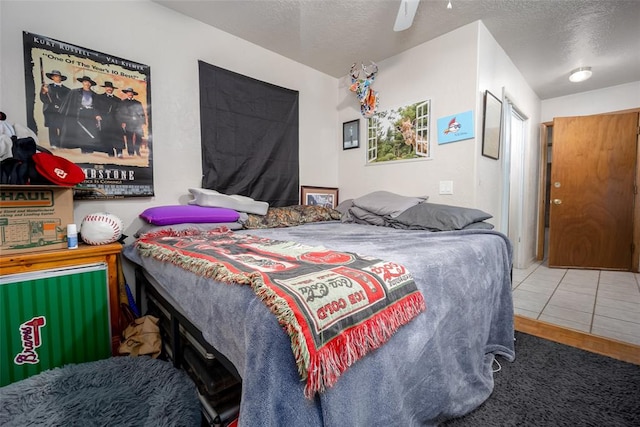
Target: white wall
{"type": "Point", "coordinates": [171, 44]}
{"type": "Point", "coordinates": [444, 71]}
{"type": "Point", "coordinates": [615, 98]}
{"type": "Point", "coordinates": [453, 71]}
{"type": "Point", "coordinates": [499, 75]}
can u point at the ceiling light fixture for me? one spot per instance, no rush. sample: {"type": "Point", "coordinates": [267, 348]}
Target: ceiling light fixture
{"type": "Point", "coordinates": [580, 74]}
{"type": "Point", "coordinates": [449, 5]}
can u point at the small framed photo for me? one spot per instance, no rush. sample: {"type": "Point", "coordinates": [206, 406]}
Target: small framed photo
{"type": "Point", "coordinates": [351, 134]}
{"type": "Point", "coordinates": [319, 196]}
{"type": "Point", "coordinates": [491, 126]}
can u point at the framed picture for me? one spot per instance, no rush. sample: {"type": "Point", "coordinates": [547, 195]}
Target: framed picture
{"type": "Point", "coordinates": [350, 134]}
{"type": "Point", "coordinates": [491, 126]}
{"type": "Point", "coordinates": [400, 133]}
{"type": "Point", "coordinates": [319, 196]}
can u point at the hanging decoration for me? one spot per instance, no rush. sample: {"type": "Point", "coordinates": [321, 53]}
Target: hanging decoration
{"type": "Point", "coordinates": [362, 87]}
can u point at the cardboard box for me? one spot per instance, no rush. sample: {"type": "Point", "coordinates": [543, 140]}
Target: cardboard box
{"type": "Point", "coordinates": [34, 218]}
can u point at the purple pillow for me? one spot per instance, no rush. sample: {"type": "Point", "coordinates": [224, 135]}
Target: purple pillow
{"type": "Point", "coordinates": [178, 214]}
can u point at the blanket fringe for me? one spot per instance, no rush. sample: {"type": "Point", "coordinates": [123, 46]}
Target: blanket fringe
{"type": "Point", "coordinates": [322, 369]}
{"type": "Point", "coordinates": [328, 364]}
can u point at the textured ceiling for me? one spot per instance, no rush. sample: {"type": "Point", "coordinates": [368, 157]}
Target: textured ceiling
{"type": "Point", "coordinates": [545, 39]}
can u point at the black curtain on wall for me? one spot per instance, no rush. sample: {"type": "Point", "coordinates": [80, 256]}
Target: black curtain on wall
{"type": "Point", "coordinates": [249, 136]}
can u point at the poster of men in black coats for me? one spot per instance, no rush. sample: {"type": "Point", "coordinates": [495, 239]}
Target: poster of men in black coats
{"type": "Point", "coordinates": [93, 109]}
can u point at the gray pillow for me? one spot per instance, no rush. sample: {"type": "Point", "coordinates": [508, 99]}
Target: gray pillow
{"type": "Point", "coordinates": [434, 216]}
{"type": "Point", "coordinates": [481, 225]}
{"type": "Point", "coordinates": [387, 204]}
{"type": "Point", "coordinates": [362, 216]}
{"type": "Point", "coordinates": [343, 208]}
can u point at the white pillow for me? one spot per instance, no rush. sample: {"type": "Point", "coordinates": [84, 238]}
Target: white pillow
{"type": "Point", "coordinates": [212, 198]}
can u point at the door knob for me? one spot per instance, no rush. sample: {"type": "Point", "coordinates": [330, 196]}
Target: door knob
{"type": "Point", "coordinates": [557, 201]}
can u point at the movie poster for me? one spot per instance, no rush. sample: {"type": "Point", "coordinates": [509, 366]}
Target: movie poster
{"type": "Point", "coordinates": [93, 109]}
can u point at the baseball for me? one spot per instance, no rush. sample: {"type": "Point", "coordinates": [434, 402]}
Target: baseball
{"type": "Point", "coordinates": [100, 228]}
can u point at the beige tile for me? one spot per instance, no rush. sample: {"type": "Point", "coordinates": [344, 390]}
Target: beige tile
{"type": "Point", "coordinates": [618, 313]}
{"type": "Point", "coordinates": [574, 277]}
{"type": "Point", "coordinates": [616, 329]}
{"type": "Point", "coordinates": [548, 273]}
{"type": "Point", "coordinates": [541, 282]}
{"type": "Point", "coordinates": [569, 314]}
{"type": "Point", "coordinates": [564, 322]}
{"type": "Point", "coordinates": [526, 313]}
{"type": "Point", "coordinates": [615, 303]}
{"type": "Point", "coordinates": [587, 274]}
{"type": "Point", "coordinates": [618, 277]}
{"type": "Point", "coordinates": [573, 300]}
{"type": "Point", "coordinates": [530, 301]}
{"type": "Point", "coordinates": [532, 287]}
{"type": "Point", "coordinates": [626, 288]}
{"type": "Point", "coordinates": [519, 275]}
{"type": "Point", "coordinates": [579, 288]}
{"type": "Point", "coordinates": [616, 335]}
{"type": "Point", "coordinates": [528, 270]}
{"type": "Point", "coordinates": [601, 323]}
{"type": "Point", "coordinates": [633, 297]}
{"type": "Point", "coordinates": [572, 304]}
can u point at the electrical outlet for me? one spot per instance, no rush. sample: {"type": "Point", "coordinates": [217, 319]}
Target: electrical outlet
{"type": "Point", "coordinates": [446, 187]}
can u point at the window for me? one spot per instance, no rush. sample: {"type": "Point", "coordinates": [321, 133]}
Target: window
{"type": "Point", "coordinates": [422, 129]}
{"type": "Point", "coordinates": [372, 138]}
{"type": "Point", "coordinates": [399, 134]}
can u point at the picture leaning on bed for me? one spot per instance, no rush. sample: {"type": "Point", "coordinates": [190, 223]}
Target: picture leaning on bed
{"type": "Point", "coordinates": [319, 196]}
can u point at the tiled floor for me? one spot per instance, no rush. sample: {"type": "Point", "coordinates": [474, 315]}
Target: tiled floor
{"type": "Point", "coordinates": [605, 303]}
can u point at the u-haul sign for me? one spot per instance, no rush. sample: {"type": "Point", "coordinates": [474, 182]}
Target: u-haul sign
{"type": "Point", "coordinates": [26, 198]}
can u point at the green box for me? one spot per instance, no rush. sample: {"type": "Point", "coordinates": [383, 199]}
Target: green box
{"type": "Point", "coordinates": [51, 318]}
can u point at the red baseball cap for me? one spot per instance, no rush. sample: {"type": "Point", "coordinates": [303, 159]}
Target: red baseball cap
{"type": "Point", "coordinates": [58, 170]}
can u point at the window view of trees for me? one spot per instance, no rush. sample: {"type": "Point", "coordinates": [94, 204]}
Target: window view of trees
{"type": "Point", "coordinates": [399, 134]}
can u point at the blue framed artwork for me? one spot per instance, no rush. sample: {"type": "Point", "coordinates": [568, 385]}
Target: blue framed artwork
{"type": "Point", "coordinates": [455, 128]}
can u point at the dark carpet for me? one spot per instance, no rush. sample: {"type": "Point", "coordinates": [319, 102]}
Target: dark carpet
{"type": "Point", "coordinates": [551, 384]}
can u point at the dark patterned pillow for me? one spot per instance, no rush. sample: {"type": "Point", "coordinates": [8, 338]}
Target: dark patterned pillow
{"type": "Point", "coordinates": [289, 216]}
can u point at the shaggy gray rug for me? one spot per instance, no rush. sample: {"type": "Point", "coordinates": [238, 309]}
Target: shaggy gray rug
{"type": "Point", "coordinates": [122, 391]}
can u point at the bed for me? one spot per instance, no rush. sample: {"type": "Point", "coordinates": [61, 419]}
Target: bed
{"type": "Point", "coordinates": [436, 367]}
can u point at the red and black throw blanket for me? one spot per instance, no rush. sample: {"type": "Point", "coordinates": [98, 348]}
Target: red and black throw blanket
{"type": "Point", "coordinates": [335, 306]}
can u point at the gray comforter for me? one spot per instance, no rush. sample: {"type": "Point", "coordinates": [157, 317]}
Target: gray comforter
{"type": "Point", "coordinates": [437, 367]}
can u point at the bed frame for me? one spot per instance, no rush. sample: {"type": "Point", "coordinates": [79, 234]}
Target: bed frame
{"type": "Point", "coordinates": [218, 381]}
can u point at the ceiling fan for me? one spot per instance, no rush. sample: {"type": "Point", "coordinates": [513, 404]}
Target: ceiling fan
{"type": "Point", "coordinates": [406, 13]}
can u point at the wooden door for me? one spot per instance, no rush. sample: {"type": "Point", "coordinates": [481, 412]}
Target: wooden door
{"type": "Point", "coordinates": [592, 191]}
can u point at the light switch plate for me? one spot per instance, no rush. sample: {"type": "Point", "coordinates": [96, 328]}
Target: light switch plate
{"type": "Point", "coordinates": [446, 187]}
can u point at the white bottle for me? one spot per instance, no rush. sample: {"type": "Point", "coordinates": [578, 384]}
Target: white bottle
{"type": "Point", "coordinates": [72, 236]}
